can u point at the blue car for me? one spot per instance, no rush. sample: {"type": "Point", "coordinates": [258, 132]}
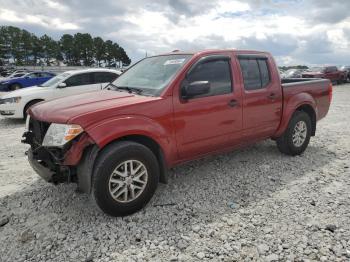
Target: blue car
{"type": "Point", "coordinates": [29, 79]}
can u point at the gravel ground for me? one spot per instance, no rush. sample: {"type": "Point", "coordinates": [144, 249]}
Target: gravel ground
{"type": "Point", "coordinates": [252, 204]}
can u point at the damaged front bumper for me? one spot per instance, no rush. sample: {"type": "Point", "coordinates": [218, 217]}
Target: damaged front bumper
{"type": "Point", "coordinates": [46, 162]}
{"type": "Point", "coordinates": [39, 168]}
{"type": "Point", "coordinates": [73, 163]}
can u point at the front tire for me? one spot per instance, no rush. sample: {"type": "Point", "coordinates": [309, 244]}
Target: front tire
{"type": "Point", "coordinates": [296, 138]}
{"type": "Point", "coordinates": [125, 178]}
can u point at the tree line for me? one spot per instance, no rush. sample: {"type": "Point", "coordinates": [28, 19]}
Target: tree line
{"type": "Point", "coordinates": [81, 49]}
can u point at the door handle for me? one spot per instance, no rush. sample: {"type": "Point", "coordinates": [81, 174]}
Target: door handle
{"type": "Point", "coordinates": [272, 96]}
{"type": "Point", "coordinates": [233, 103]}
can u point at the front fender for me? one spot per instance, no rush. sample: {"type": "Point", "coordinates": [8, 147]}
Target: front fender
{"type": "Point", "coordinates": [290, 106]}
{"type": "Point", "coordinates": [110, 130]}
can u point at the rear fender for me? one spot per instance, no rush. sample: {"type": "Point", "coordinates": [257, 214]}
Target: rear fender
{"type": "Point", "coordinates": [291, 106]}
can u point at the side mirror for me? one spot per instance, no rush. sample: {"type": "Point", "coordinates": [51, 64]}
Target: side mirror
{"type": "Point", "coordinates": [61, 85]}
{"type": "Point", "coordinates": [195, 89]}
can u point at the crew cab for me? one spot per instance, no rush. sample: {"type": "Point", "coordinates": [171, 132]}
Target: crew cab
{"type": "Point", "coordinates": [165, 110]}
{"type": "Point", "coordinates": [329, 72]}
{"type": "Point", "coordinates": [15, 104]}
{"type": "Point", "coordinates": [26, 80]}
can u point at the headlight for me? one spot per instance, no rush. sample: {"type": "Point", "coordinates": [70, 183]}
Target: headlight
{"type": "Point", "coordinates": [60, 134]}
{"type": "Point", "coordinates": [10, 100]}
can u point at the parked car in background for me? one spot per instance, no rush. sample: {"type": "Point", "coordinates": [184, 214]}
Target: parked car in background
{"type": "Point", "coordinates": [29, 79]}
{"type": "Point", "coordinates": [346, 70]}
{"type": "Point", "coordinates": [15, 74]}
{"type": "Point", "coordinates": [16, 103]}
{"type": "Point", "coordinates": [292, 73]}
{"type": "Point", "coordinates": [166, 110]}
{"type": "Point", "coordinates": [329, 72]}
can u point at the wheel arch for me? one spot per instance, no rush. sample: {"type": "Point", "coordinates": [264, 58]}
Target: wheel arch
{"type": "Point", "coordinates": [14, 83]}
{"type": "Point", "coordinates": [308, 109]}
{"type": "Point", "coordinates": [30, 103]}
{"type": "Point", "coordinates": [154, 146]}
{"type": "Point", "coordinates": [86, 166]}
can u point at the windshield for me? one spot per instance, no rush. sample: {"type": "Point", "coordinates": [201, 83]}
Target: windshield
{"type": "Point", "coordinates": [152, 74]}
{"type": "Point", "coordinates": [55, 80]}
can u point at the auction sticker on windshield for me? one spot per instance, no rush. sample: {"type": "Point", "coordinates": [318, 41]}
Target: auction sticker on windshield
{"type": "Point", "coordinates": [174, 61]}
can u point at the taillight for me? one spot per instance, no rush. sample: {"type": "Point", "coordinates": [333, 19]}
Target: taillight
{"type": "Point", "coordinates": [330, 92]}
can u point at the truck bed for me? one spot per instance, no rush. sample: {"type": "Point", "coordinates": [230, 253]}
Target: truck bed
{"type": "Point", "coordinates": [302, 87]}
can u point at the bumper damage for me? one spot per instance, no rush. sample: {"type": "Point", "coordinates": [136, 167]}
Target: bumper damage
{"type": "Point", "coordinates": [57, 165]}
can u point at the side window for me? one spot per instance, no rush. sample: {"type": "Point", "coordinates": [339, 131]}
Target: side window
{"type": "Point", "coordinates": [32, 75]}
{"type": "Point", "coordinates": [264, 72]}
{"type": "Point", "coordinates": [104, 77]}
{"type": "Point", "coordinates": [44, 74]}
{"type": "Point", "coordinates": [217, 72]}
{"type": "Point", "coordinates": [255, 73]}
{"type": "Point", "coordinates": [78, 80]}
{"type": "Point", "coordinates": [251, 74]}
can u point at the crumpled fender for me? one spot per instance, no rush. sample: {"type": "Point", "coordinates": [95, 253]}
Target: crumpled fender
{"type": "Point", "coordinates": [106, 131]}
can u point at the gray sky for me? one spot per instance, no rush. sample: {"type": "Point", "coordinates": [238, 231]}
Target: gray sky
{"type": "Point", "coordinates": [295, 31]}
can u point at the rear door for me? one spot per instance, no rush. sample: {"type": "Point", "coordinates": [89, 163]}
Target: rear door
{"type": "Point", "coordinates": [30, 79]}
{"type": "Point", "coordinates": [77, 84]}
{"type": "Point", "coordinates": [212, 121]}
{"type": "Point", "coordinates": [262, 96]}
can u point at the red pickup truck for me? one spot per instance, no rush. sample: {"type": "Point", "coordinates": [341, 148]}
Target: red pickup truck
{"type": "Point", "coordinates": [328, 72]}
{"type": "Point", "coordinates": [166, 110]}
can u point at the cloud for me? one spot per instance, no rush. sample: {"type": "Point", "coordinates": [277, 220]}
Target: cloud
{"type": "Point", "coordinates": [295, 31]}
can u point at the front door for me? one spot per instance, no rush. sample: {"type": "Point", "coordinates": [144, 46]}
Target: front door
{"type": "Point", "coordinates": [208, 122]}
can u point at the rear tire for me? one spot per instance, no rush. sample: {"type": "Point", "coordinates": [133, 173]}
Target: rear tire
{"type": "Point", "coordinates": [296, 138]}
{"type": "Point", "coordinates": [126, 175]}
{"type": "Point", "coordinates": [15, 87]}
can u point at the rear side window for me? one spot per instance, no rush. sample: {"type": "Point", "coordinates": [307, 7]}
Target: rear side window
{"type": "Point", "coordinates": [104, 77]}
{"type": "Point", "coordinates": [255, 72]}
{"type": "Point", "coordinates": [44, 74]}
{"type": "Point", "coordinates": [78, 80]}
{"type": "Point", "coordinates": [218, 74]}
{"type": "Point", "coordinates": [264, 72]}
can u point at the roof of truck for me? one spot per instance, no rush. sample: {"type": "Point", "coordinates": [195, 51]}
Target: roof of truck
{"type": "Point", "coordinates": [208, 51]}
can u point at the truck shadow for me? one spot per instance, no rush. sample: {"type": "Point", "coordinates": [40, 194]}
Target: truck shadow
{"type": "Point", "coordinates": [201, 191]}
{"type": "Point", "coordinates": [11, 123]}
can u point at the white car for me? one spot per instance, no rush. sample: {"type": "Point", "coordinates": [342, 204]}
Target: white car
{"type": "Point", "coordinates": [16, 103]}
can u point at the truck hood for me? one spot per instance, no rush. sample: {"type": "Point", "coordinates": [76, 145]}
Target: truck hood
{"type": "Point", "coordinates": [25, 92]}
{"type": "Point", "coordinates": [78, 109]}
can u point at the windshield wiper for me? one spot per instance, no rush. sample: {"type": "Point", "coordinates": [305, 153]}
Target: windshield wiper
{"type": "Point", "coordinates": [130, 89]}
{"type": "Point", "coordinates": [108, 86]}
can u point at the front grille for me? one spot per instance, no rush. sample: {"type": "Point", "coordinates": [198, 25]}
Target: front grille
{"type": "Point", "coordinates": [39, 129]}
